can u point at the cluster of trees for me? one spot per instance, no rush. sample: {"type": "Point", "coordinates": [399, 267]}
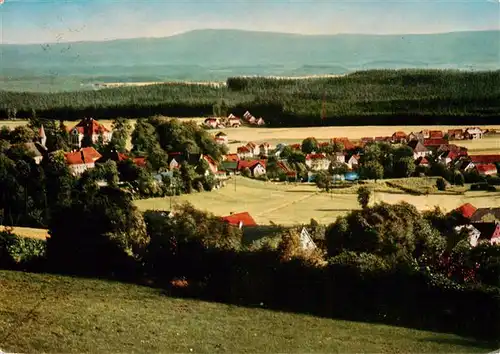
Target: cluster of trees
{"type": "Point", "coordinates": [369, 97]}
{"type": "Point", "coordinates": [31, 191]}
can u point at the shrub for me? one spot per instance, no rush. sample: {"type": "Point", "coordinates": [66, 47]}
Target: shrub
{"type": "Point", "coordinates": [19, 251]}
{"type": "Point", "coordinates": [441, 184]}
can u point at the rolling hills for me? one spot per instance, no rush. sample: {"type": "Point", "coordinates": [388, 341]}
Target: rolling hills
{"type": "Point", "coordinates": [214, 55]}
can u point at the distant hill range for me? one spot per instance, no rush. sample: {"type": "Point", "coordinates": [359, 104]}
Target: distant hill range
{"type": "Point", "coordinates": [214, 55]}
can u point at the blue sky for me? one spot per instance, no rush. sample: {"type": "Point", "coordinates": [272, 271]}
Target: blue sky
{"type": "Point", "coordinates": [42, 21]}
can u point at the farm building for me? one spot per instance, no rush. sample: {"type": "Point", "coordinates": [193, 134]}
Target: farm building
{"type": "Point", "coordinates": [419, 150]}
{"type": "Point", "coordinates": [399, 137]}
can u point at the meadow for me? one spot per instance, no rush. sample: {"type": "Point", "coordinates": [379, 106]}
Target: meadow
{"type": "Point", "coordinates": [289, 204]}
{"type": "Point", "coordinates": [48, 313]}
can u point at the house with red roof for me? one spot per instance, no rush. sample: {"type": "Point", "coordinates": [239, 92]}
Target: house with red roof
{"type": "Point", "coordinates": [353, 161]}
{"type": "Point", "coordinates": [367, 140]}
{"type": "Point", "coordinates": [221, 138]}
{"type": "Point", "coordinates": [486, 169]}
{"type": "Point", "coordinates": [466, 210]}
{"type": "Point", "coordinates": [91, 128]}
{"type": "Point", "coordinates": [455, 134]}
{"type": "Point", "coordinates": [211, 123]}
{"type": "Point", "coordinates": [296, 147]}
{"type": "Point", "coordinates": [436, 134]}
{"type": "Point", "coordinates": [240, 220]}
{"type": "Point", "coordinates": [399, 137]}
{"type": "Point", "coordinates": [286, 169]}
{"type": "Point", "coordinates": [256, 167]}
{"type": "Point", "coordinates": [485, 159]}
{"type": "Point", "coordinates": [264, 149]}
{"type": "Point", "coordinates": [317, 162]}
{"type": "Point", "coordinates": [231, 157]}
{"type": "Point", "coordinates": [419, 150]}
{"type": "Point", "coordinates": [346, 143]}
{"type": "Point", "coordinates": [260, 121]}
{"type": "Point", "coordinates": [435, 143]}
{"type": "Point", "coordinates": [422, 161]}
{"type": "Point", "coordinates": [81, 160]}
{"type": "Point", "coordinates": [380, 139]}
{"type": "Point", "coordinates": [254, 148]}
{"type": "Point", "coordinates": [473, 133]}
{"type": "Point", "coordinates": [244, 152]}
{"type": "Point", "coordinates": [233, 121]}
{"type": "Point", "coordinates": [448, 157]}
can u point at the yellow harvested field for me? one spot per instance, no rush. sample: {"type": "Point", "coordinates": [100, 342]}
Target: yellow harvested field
{"type": "Point", "coordinates": [298, 203]}
{"type": "Point", "coordinates": [274, 136]}
{"type": "Point", "coordinates": [40, 234]}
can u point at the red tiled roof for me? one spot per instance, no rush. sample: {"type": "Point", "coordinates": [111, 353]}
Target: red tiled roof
{"type": "Point", "coordinates": [251, 145]}
{"type": "Point", "coordinates": [315, 156]}
{"type": "Point", "coordinates": [140, 161]}
{"type": "Point", "coordinates": [232, 157]}
{"type": "Point", "coordinates": [399, 134]}
{"type": "Point", "coordinates": [210, 160]}
{"type": "Point", "coordinates": [264, 145]}
{"type": "Point", "coordinates": [436, 134]}
{"type": "Point", "coordinates": [92, 153]}
{"type": "Point", "coordinates": [485, 158]}
{"type": "Point", "coordinates": [455, 131]}
{"type": "Point", "coordinates": [296, 146]}
{"type": "Point", "coordinates": [245, 218]}
{"type": "Point", "coordinates": [466, 210]}
{"type": "Point", "coordinates": [344, 141]}
{"type": "Point", "coordinates": [243, 149]}
{"type": "Point", "coordinates": [94, 126]}
{"type": "Point", "coordinates": [382, 138]}
{"type": "Point", "coordinates": [250, 164]}
{"type": "Point", "coordinates": [422, 161]}
{"type": "Point", "coordinates": [486, 168]}
{"type": "Point", "coordinates": [79, 158]}
{"type": "Point", "coordinates": [324, 144]}
{"type": "Point", "coordinates": [435, 142]}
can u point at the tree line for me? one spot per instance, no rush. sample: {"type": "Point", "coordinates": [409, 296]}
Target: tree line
{"type": "Point", "coordinates": [370, 97]}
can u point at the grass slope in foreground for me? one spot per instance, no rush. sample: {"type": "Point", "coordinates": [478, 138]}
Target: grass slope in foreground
{"type": "Point", "coordinates": [81, 315]}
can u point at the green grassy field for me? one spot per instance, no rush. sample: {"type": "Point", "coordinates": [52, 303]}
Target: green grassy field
{"type": "Point", "coordinates": [46, 313]}
{"type": "Point", "coordinates": [289, 204]}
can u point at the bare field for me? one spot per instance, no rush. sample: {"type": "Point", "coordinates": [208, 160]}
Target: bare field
{"type": "Point", "coordinates": [40, 234]}
{"type": "Point", "coordinates": [274, 136]}
{"type": "Point", "coordinates": [298, 203]}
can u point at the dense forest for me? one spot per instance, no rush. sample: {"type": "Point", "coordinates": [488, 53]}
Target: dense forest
{"type": "Point", "coordinates": [368, 97]}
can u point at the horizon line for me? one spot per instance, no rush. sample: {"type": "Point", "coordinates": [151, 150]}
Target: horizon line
{"type": "Point", "coordinates": [255, 31]}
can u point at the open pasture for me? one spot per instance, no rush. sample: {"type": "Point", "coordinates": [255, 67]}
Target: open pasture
{"type": "Point", "coordinates": [289, 204]}
{"type": "Point", "coordinates": [44, 313]}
